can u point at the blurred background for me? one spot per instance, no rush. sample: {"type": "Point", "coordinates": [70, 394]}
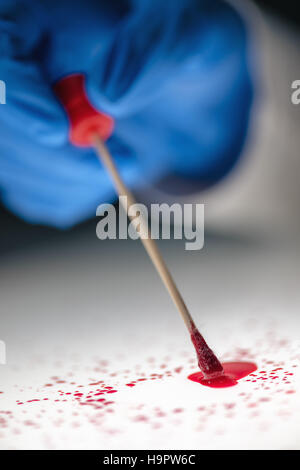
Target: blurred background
{"type": "Point", "coordinates": [263, 192]}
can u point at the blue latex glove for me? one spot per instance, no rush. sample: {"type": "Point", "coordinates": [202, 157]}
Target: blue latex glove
{"type": "Point", "coordinates": [173, 74]}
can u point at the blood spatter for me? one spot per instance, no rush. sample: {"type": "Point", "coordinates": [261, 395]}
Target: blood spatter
{"type": "Point", "coordinates": [178, 410]}
{"type": "Point", "coordinates": [271, 387]}
{"type": "Point", "coordinates": [233, 371]}
{"type": "Point", "coordinates": [140, 418]}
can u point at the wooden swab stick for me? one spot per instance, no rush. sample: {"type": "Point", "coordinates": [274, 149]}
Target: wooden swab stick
{"type": "Point", "coordinates": [89, 126]}
{"type": "Point", "coordinates": [208, 362]}
{"type": "Point", "coordinates": [144, 231]}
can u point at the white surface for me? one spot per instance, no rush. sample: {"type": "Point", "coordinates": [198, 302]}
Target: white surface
{"type": "Point", "coordinates": [61, 316]}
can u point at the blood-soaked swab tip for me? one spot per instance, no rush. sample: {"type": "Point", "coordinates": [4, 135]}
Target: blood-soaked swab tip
{"type": "Point", "coordinates": [208, 362]}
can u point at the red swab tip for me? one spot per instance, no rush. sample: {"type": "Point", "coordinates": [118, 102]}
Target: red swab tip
{"type": "Point", "coordinates": [85, 120]}
{"type": "Point", "coordinates": [207, 360]}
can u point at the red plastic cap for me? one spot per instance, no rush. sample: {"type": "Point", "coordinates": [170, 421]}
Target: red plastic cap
{"type": "Point", "coordinates": [85, 120]}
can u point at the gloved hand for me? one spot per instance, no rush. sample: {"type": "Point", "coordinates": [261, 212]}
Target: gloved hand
{"type": "Point", "coordinates": [173, 74]}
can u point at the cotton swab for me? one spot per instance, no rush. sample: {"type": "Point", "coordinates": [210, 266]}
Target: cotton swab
{"type": "Point", "coordinates": [89, 127]}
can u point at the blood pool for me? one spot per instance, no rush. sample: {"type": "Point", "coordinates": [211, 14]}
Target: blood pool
{"type": "Point", "coordinates": [233, 371]}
